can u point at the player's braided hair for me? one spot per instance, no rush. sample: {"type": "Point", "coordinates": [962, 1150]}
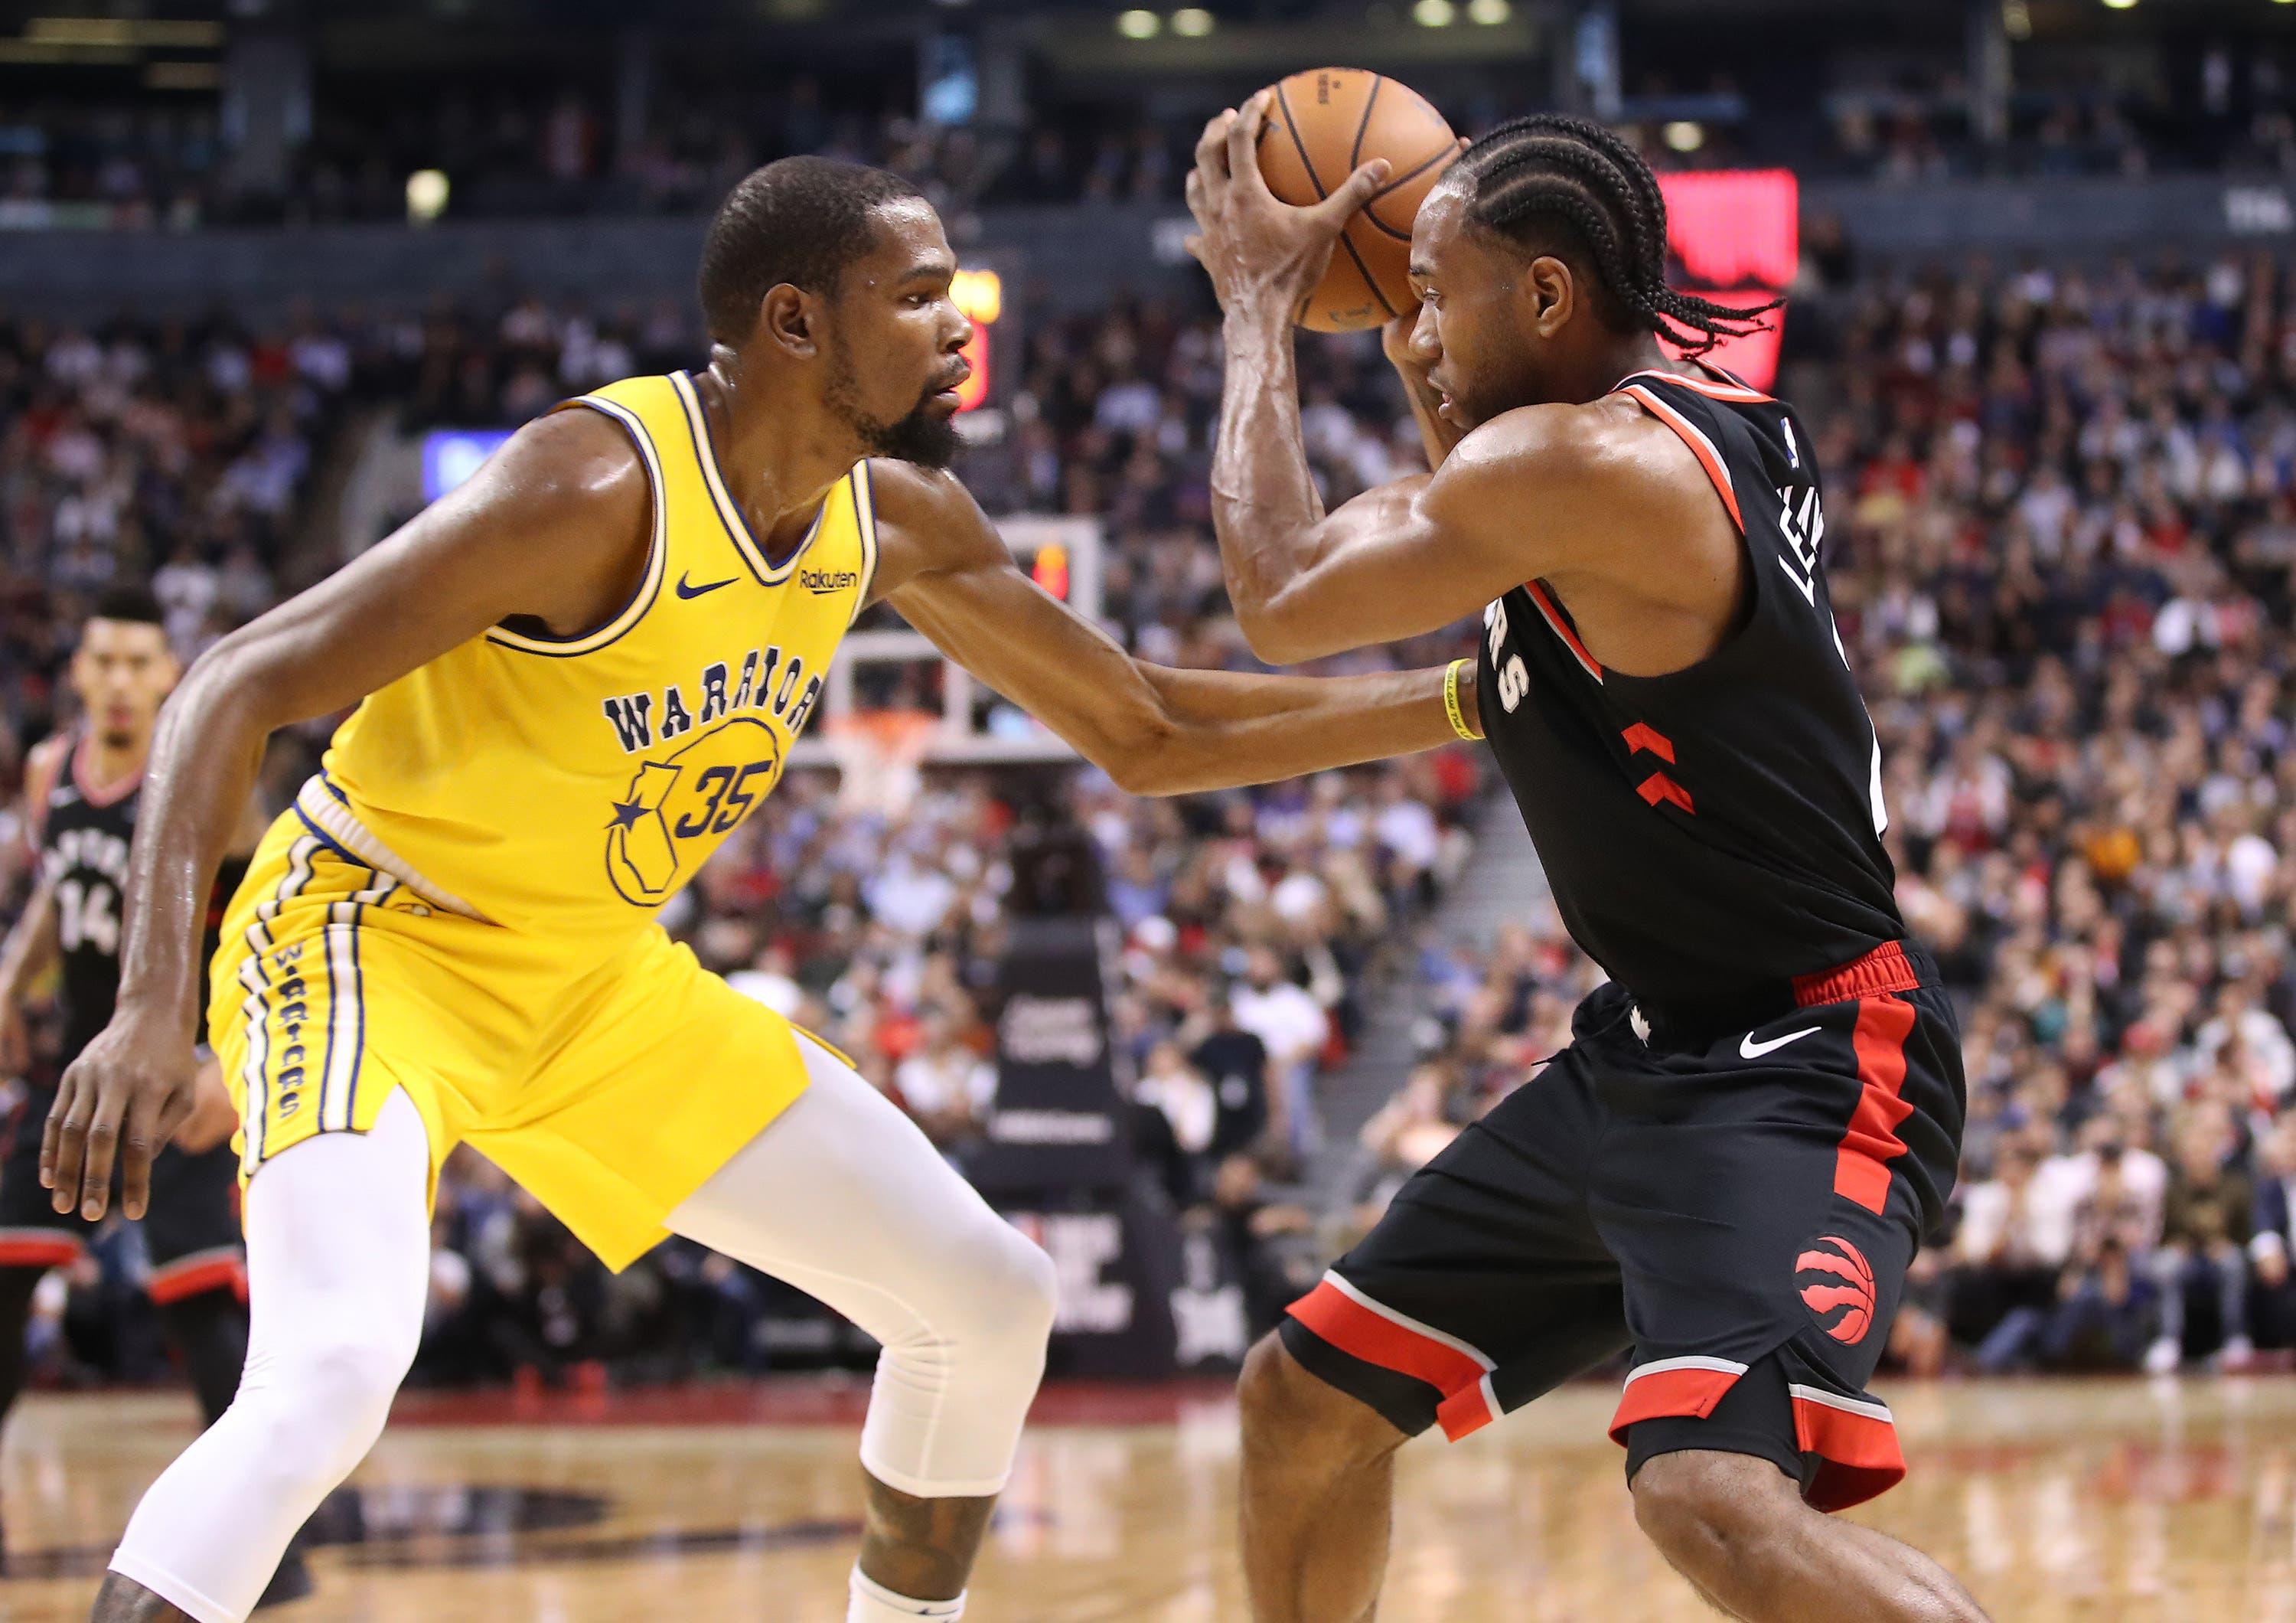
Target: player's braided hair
{"type": "Point", "coordinates": [1551, 175]}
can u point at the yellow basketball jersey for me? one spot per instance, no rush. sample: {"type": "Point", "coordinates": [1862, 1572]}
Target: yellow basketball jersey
{"type": "Point", "coordinates": [567, 788]}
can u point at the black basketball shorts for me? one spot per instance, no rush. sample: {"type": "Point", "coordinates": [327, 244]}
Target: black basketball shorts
{"type": "Point", "coordinates": [191, 1231]}
{"type": "Point", "coordinates": [1739, 1214]}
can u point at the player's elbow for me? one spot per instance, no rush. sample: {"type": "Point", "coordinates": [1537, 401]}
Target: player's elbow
{"type": "Point", "coordinates": [1279, 635]}
{"type": "Point", "coordinates": [1141, 745]}
{"type": "Point", "coordinates": [227, 677]}
{"type": "Point", "coordinates": [232, 692]}
{"type": "Point", "coordinates": [1146, 760]}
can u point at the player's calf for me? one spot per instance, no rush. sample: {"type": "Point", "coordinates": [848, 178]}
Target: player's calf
{"type": "Point", "coordinates": [1318, 1492]}
{"type": "Point", "coordinates": [1736, 1527]}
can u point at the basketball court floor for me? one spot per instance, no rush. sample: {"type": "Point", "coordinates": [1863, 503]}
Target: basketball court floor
{"type": "Point", "coordinates": [2062, 1501]}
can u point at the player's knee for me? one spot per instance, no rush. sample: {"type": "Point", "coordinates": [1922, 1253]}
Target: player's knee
{"type": "Point", "coordinates": [1699, 1506]}
{"type": "Point", "coordinates": [1015, 1292]}
{"type": "Point", "coordinates": [1284, 1405]}
{"type": "Point", "coordinates": [987, 1292]}
{"type": "Point", "coordinates": [339, 1389]}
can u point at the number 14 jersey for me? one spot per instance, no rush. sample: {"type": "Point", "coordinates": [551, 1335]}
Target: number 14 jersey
{"type": "Point", "coordinates": [83, 831]}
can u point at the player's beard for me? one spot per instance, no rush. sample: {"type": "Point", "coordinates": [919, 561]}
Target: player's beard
{"type": "Point", "coordinates": [923, 437]}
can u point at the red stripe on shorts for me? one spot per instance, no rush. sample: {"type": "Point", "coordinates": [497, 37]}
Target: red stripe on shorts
{"type": "Point", "coordinates": [1861, 1166]}
{"type": "Point", "coordinates": [1381, 1336]}
{"type": "Point", "coordinates": [190, 1275]}
{"type": "Point", "coordinates": [39, 1248]}
{"type": "Point", "coordinates": [1671, 1388]}
{"type": "Point", "coordinates": [1856, 1444]}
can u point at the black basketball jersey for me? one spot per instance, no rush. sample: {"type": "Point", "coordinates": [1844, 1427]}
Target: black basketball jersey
{"type": "Point", "coordinates": [1712, 834]}
{"type": "Point", "coordinates": [85, 833]}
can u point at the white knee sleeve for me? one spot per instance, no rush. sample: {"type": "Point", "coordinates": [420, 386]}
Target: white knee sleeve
{"type": "Point", "coordinates": [960, 1366]}
{"type": "Point", "coordinates": [338, 1260]}
{"type": "Point", "coordinates": [845, 1199]}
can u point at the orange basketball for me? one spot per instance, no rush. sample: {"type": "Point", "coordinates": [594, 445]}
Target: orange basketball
{"type": "Point", "coordinates": [1326, 124]}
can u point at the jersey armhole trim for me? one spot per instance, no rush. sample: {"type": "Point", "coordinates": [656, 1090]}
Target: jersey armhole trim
{"type": "Point", "coordinates": [729, 516]}
{"type": "Point", "coordinates": [1560, 625]}
{"type": "Point", "coordinates": [1708, 456]}
{"type": "Point", "coordinates": [864, 521]}
{"type": "Point", "coordinates": [657, 557]}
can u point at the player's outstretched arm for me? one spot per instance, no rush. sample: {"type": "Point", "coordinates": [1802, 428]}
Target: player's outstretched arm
{"type": "Point", "coordinates": [1153, 730]}
{"type": "Point", "coordinates": [551, 527]}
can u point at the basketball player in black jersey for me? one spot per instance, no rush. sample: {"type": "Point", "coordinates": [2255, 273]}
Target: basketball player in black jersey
{"type": "Point", "coordinates": [1728, 1172]}
{"type": "Point", "coordinates": [81, 790]}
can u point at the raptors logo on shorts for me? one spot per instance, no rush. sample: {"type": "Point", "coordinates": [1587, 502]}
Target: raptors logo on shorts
{"type": "Point", "coordinates": [1837, 1286]}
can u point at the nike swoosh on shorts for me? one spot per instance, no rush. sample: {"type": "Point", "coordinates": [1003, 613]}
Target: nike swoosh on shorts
{"type": "Point", "coordinates": [1747, 1048]}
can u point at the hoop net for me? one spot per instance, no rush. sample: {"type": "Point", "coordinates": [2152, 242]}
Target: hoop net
{"type": "Point", "coordinates": [881, 757]}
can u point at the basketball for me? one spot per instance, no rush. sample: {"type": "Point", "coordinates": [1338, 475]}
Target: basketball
{"type": "Point", "coordinates": [1326, 124]}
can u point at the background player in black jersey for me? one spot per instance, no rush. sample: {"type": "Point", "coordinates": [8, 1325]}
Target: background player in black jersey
{"type": "Point", "coordinates": [1759, 1117]}
{"type": "Point", "coordinates": [81, 790]}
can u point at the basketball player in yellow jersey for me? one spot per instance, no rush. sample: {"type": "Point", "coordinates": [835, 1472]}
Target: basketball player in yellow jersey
{"type": "Point", "coordinates": [580, 672]}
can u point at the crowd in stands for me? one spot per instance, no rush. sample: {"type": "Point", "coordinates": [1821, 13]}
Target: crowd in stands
{"type": "Point", "coordinates": [515, 149]}
{"type": "Point", "coordinates": [2231, 117]}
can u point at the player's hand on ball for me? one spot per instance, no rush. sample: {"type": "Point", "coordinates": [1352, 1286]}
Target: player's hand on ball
{"type": "Point", "coordinates": [1257, 246]}
{"type": "Point", "coordinates": [122, 1098]}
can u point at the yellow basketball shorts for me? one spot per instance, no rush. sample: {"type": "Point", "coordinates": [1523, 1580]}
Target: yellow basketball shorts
{"type": "Point", "coordinates": [612, 1092]}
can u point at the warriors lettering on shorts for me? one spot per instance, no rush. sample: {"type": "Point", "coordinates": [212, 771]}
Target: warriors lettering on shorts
{"type": "Point", "coordinates": [294, 1013]}
{"type": "Point", "coordinates": [762, 682]}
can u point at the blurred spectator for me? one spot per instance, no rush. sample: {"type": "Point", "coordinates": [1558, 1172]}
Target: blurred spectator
{"type": "Point", "coordinates": [2203, 1242]}
{"type": "Point", "coordinates": [946, 1086]}
{"type": "Point", "coordinates": [2271, 1234]}
{"type": "Point", "coordinates": [1235, 1063]}
{"type": "Point", "coordinates": [1293, 1027]}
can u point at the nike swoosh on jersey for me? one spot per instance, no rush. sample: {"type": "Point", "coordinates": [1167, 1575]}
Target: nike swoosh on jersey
{"type": "Point", "coordinates": [686, 589]}
{"type": "Point", "coordinates": [1747, 1048]}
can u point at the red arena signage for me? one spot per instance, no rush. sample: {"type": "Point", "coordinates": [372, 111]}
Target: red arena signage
{"type": "Point", "coordinates": [1737, 233]}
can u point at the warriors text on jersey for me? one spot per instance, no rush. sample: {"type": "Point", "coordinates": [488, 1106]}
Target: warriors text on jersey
{"type": "Point", "coordinates": [462, 904]}
{"type": "Point", "coordinates": [1713, 834]}
{"type": "Point", "coordinates": [572, 788]}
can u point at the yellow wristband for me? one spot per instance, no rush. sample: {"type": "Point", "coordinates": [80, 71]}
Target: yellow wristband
{"type": "Point", "coordinates": [1451, 702]}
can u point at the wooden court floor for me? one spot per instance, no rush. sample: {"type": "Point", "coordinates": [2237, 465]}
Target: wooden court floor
{"type": "Point", "coordinates": [2057, 1500]}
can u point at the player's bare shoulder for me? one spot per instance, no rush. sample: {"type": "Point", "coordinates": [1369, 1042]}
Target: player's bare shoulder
{"type": "Point", "coordinates": [44, 764]}
{"type": "Point", "coordinates": [576, 465]}
{"type": "Point", "coordinates": [566, 509]}
{"type": "Point", "coordinates": [1591, 477]}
